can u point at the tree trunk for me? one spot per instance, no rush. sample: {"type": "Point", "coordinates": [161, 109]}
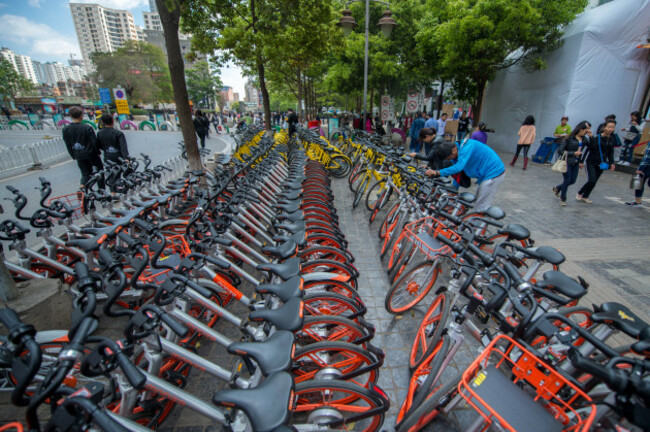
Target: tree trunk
{"type": "Point", "coordinates": [170, 20]}
{"type": "Point", "coordinates": [300, 92]}
{"type": "Point", "coordinates": [265, 95]}
{"type": "Point", "coordinates": [439, 102]}
{"type": "Point", "coordinates": [372, 96]}
{"type": "Point", "coordinates": [477, 107]}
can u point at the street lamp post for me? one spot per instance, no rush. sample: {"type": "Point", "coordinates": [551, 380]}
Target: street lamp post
{"type": "Point", "coordinates": [347, 23]}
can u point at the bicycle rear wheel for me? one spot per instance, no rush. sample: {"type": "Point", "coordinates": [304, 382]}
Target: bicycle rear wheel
{"type": "Point", "coordinates": [330, 328]}
{"type": "Point", "coordinates": [339, 405]}
{"type": "Point", "coordinates": [430, 329]}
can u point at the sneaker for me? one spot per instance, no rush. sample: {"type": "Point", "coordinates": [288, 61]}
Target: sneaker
{"type": "Point", "coordinates": [556, 191]}
{"type": "Point", "coordinates": [578, 197]}
{"type": "Point", "coordinates": [562, 203]}
{"type": "Point", "coordinates": [625, 163]}
{"type": "Point", "coordinates": [587, 200]}
{"type": "Point", "coordinates": [633, 204]}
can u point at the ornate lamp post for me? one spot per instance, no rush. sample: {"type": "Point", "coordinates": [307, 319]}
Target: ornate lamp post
{"type": "Point", "coordinates": [347, 23]}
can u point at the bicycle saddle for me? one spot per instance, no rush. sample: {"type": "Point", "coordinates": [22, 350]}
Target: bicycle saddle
{"type": "Point", "coordinates": [287, 317]}
{"type": "Point", "coordinates": [467, 197]}
{"type": "Point", "coordinates": [290, 207]}
{"type": "Point", "coordinates": [620, 317]}
{"type": "Point", "coordinates": [495, 213]}
{"type": "Point", "coordinates": [291, 195]}
{"type": "Point", "coordinates": [293, 185]}
{"type": "Point", "coordinates": [563, 284]}
{"type": "Point", "coordinates": [272, 355]}
{"type": "Point", "coordinates": [282, 251]}
{"type": "Point", "coordinates": [292, 227]}
{"type": "Point", "coordinates": [266, 406]}
{"type": "Point", "coordinates": [296, 216]}
{"type": "Point", "coordinates": [548, 254]}
{"type": "Point", "coordinates": [298, 237]}
{"type": "Point", "coordinates": [285, 270]}
{"type": "Point", "coordinates": [285, 291]}
{"type": "Point", "coordinates": [515, 231]}
{"type": "Point", "coordinates": [87, 244]}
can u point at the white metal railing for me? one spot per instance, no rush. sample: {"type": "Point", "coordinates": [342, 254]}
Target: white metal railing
{"type": "Point", "coordinates": [31, 155]}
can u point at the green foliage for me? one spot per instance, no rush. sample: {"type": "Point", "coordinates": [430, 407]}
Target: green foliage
{"type": "Point", "coordinates": [476, 38]}
{"type": "Point", "coordinates": [138, 67]}
{"type": "Point", "coordinates": [201, 82]}
{"type": "Point", "coordinates": [11, 82]}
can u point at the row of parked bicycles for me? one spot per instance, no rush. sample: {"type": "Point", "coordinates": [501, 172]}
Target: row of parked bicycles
{"type": "Point", "coordinates": [248, 258]}
{"type": "Point", "coordinates": [547, 361]}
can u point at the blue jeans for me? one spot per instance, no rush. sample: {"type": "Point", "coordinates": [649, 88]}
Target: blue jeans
{"type": "Point", "coordinates": [570, 177]}
{"type": "Point", "coordinates": [461, 135]}
{"type": "Point", "coordinates": [628, 149]}
{"type": "Point", "coordinates": [415, 145]}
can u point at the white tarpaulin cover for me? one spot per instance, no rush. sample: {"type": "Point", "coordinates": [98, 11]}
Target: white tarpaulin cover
{"type": "Point", "coordinates": [598, 71]}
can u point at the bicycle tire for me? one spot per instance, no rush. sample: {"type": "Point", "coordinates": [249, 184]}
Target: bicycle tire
{"type": "Point", "coordinates": [426, 339]}
{"type": "Point", "coordinates": [430, 408]}
{"type": "Point", "coordinates": [330, 328]}
{"type": "Point", "coordinates": [355, 172]}
{"type": "Point", "coordinates": [392, 234]}
{"type": "Point", "coordinates": [330, 303]}
{"type": "Point", "coordinates": [412, 286]}
{"type": "Point", "coordinates": [325, 252]}
{"type": "Point", "coordinates": [338, 395]}
{"type": "Point", "coordinates": [374, 197]}
{"type": "Point", "coordinates": [419, 389]}
{"type": "Point", "coordinates": [330, 286]}
{"type": "Point", "coordinates": [344, 166]}
{"type": "Point", "coordinates": [388, 219]}
{"type": "Point", "coordinates": [402, 263]}
{"type": "Point", "coordinates": [349, 360]}
{"type": "Point", "coordinates": [360, 191]}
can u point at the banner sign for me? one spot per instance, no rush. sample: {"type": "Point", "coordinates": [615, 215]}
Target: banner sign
{"type": "Point", "coordinates": [121, 103]}
{"type": "Point", "coordinates": [386, 105]}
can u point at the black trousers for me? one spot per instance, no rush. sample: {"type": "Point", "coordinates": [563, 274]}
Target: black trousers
{"type": "Point", "coordinates": [521, 147]}
{"type": "Point", "coordinates": [593, 174]}
{"type": "Point", "coordinates": [88, 167]}
{"type": "Point", "coordinates": [202, 137]}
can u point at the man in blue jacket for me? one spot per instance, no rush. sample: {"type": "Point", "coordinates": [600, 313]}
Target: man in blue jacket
{"type": "Point", "coordinates": [418, 124]}
{"type": "Point", "coordinates": [478, 161]}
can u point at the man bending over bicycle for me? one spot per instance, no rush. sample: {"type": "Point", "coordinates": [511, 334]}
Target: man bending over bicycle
{"type": "Point", "coordinates": [478, 161]}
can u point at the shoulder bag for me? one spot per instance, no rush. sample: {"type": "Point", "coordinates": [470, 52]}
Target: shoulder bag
{"type": "Point", "coordinates": [560, 164]}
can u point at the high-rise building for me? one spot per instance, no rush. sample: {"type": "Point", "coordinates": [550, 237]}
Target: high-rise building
{"type": "Point", "coordinates": [102, 29]}
{"type": "Point", "coordinates": [10, 56]}
{"type": "Point", "coordinates": [26, 68]}
{"type": "Point", "coordinates": [152, 21]}
{"type": "Point", "coordinates": [153, 7]}
{"type": "Point", "coordinates": [252, 93]}
{"type": "Point", "coordinates": [227, 94]}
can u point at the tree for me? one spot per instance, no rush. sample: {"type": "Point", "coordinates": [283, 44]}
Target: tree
{"type": "Point", "coordinates": [170, 14]}
{"type": "Point", "coordinates": [477, 38]}
{"type": "Point", "coordinates": [202, 83]}
{"type": "Point", "coordinates": [138, 67]}
{"type": "Point", "coordinates": [11, 82]}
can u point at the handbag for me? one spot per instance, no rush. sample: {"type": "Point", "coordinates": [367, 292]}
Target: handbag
{"type": "Point", "coordinates": [630, 136]}
{"type": "Point", "coordinates": [560, 164]}
{"type": "Point", "coordinates": [603, 165]}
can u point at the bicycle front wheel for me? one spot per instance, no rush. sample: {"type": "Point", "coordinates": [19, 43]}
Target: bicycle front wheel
{"type": "Point", "coordinates": [430, 329]}
{"type": "Point", "coordinates": [339, 166]}
{"type": "Point", "coordinates": [412, 286]}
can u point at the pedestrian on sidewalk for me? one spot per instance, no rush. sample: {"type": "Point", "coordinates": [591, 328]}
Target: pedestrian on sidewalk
{"type": "Point", "coordinates": [478, 161]}
{"type": "Point", "coordinates": [631, 138]}
{"type": "Point", "coordinates": [441, 124]}
{"type": "Point", "coordinates": [598, 157]}
{"type": "Point", "coordinates": [463, 126]}
{"type": "Point", "coordinates": [431, 122]}
{"type": "Point", "coordinates": [292, 120]}
{"type": "Point", "coordinates": [418, 125]}
{"type": "Point", "coordinates": [644, 171]}
{"type": "Point", "coordinates": [6, 112]}
{"type": "Point", "coordinates": [431, 140]}
{"type": "Point", "coordinates": [480, 133]}
{"type": "Point", "coordinates": [201, 126]}
{"type": "Point", "coordinates": [573, 146]}
{"type": "Point", "coordinates": [561, 133]}
{"type": "Point", "coordinates": [81, 142]}
{"type": "Point", "coordinates": [526, 134]}
{"type": "Point", "coordinates": [112, 143]}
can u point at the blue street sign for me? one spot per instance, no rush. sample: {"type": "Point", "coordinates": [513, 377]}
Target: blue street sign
{"type": "Point", "coordinates": [105, 95]}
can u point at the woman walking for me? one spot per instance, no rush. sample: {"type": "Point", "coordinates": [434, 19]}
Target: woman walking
{"type": "Point", "coordinates": [631, 137]}
{"type": "Point", "coordinates": [598, 157]}
{"type": "Point", "coordinates": [572, 146]}
{"type": "Point", "coordinates": [526, 138]}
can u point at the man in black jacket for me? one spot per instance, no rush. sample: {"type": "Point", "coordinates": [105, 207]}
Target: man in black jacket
{"type": "Point", "coordinates": [111, 141]}
{"type": "Point", "coordinates": [81, 142]}
{"type": "Point", "coordinates": [292, 119]}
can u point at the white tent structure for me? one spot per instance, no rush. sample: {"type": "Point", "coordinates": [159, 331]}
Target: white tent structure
{"type": "Point", "coordinates": [598, 71]}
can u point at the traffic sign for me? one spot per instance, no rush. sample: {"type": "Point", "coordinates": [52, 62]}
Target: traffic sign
{"type": "Point", "coordinates": [119, 93]}
{"type": "Point", "coordinates": [121, 103]}
{"type": "Point", "coordinates": [412, 106]}
{"type": "Point", "coordinates": [105, 95]}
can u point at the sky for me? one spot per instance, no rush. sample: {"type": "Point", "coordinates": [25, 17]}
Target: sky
{"type": "Point", "coordinates": [43, 30]}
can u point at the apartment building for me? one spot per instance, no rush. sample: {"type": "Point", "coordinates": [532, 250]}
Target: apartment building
{"type": "Point", "coordinates": [152, 21]}
{"type": "Point", "coordinates": [102, 29]}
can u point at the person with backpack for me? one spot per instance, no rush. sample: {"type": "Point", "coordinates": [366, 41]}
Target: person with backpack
{"type": "Point", "coordinates": [81, 143]}
{"type": "Point", "coordinates": [201, 126]}
{"type": "Point", "coordinates": [112, 142]}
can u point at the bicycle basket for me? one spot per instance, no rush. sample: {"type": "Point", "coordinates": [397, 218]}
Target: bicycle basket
{"type": "Point", "coordinates": [422, 233]}
{"type": "Point", "coordinates": [74, 200]}
{"type": "Point", "coordinates": [517, 390]}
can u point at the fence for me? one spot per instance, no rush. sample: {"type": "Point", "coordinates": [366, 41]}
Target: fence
{"type": "Point", "coordinates": [31, 155]}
